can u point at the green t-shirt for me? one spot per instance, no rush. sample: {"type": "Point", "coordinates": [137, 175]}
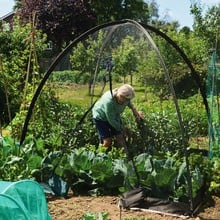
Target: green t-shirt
{"type": "Point", "coordinates": [107, 109]}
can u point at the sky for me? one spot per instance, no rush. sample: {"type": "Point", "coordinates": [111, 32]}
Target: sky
{"type": "Point", "coordinates": [179, 10]}
{"type": "Point", "coordinates": [6, 6]}
{"type": "Point", "coordinates": [175, 9]}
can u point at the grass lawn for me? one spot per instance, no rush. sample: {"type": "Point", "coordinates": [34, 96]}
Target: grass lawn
{"type": "Point", "coordinates": [79, 94]}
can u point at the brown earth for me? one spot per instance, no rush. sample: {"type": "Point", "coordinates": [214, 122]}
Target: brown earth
{"type": "Point", "coordinates": [74, 208]}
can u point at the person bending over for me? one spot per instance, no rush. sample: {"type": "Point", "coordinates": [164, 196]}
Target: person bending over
{"type": "Point", "coordinates": [106, 115]}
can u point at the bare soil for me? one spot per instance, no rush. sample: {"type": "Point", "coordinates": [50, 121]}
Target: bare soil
{"type": "Point", "coordinates": [75, 207]}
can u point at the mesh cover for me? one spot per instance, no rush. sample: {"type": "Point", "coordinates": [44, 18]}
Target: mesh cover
{"type": "Point", "coordinates": [213, 98]}
{"type": "Point", "coordinates": [24, 199]}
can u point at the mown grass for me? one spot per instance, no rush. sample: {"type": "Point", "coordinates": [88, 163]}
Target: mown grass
{"type": "Point", "coordinates": [74, 94]}
{"type": "Point", "coordinates": [79, 94]}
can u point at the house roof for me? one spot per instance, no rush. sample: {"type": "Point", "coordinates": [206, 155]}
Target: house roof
{"type": "Point", "coordinates": [8, 17]}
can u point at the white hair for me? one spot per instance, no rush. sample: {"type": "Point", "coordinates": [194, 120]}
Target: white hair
{"type": "Point", "coordinates": [127, 91]}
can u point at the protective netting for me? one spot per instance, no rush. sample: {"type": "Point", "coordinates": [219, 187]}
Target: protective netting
{"type": "Point", "coordinates": [213, 98]}
{"type": "Point", "coordinates": [102, 59]}
{"type": "Point", "coordinates": [22, 200]}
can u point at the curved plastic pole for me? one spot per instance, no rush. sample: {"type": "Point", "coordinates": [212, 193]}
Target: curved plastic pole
{"type": "Point", "coordinates": [184, 139]}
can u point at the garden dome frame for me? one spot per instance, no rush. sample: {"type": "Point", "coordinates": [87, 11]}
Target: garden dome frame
{"type": "Point", "coordinates": [144, 28]}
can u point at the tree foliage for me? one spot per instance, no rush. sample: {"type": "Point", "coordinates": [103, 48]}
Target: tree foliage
{"type": "Point", "coordinates": [86, 57]}
{"type": "Point", "coordinates": [196, 50]}
{"type": "Point", "coordinates": [16, 61]}
{"type": "Point", "coordinates": [125, 58]}
{"type": "Point", "coordinates": [121, 9]}
{"type": "Point", "coordinates": [62, 20]}
{"type": "Point", "coordinates": [207, 25]}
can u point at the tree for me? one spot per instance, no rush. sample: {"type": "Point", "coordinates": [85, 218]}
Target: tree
{"type": "Point", "coordinates": [207, 24]}
{"type": "Point", "coordinates": [113, 10]}
{"type": "Point", "coordinates": [62, 21]}
{"type": "Point", "coordinates": [151, 69]}
{"type": "Point", "coordinates": [125, 58]}
{"type": "Point", "coordinates": [86, 57]}
{"type": "Point", "coordinates": [16, 63]}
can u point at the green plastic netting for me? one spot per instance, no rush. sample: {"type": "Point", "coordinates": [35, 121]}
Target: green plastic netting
{"type": "Point", "coordinates": [213, 98]}
{"type": "Point", "coordinates": [23, 200]}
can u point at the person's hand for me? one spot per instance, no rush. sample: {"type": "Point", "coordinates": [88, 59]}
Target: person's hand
{"type": "Point", "coordinates": [140, 115]}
